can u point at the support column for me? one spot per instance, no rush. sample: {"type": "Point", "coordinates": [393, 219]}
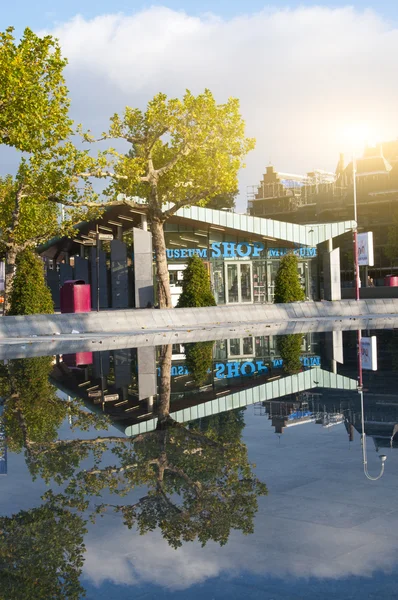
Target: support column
{"type": "Point", "coordinates": [147, 375]}
{"type": "Point", "coordinates": [331, 274]}
{"type": "Point", "coordinates": [143, 268]}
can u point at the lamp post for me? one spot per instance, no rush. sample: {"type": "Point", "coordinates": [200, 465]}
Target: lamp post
{"type": "Point", "coordinates": [382, 457]}
{"type": "Point", "coordinates": [356, 265]}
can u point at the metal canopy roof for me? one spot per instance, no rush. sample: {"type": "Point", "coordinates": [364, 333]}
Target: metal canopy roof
{"type": "Point", "coordinates": [306, 380]}
{"type": "Point", "coordinates": [306, 235]}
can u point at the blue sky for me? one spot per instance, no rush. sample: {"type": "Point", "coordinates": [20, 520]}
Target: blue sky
{"type": "Point", "coordinates": [306, 73]}
{"type": "Point", "coordinates": [43, 13]}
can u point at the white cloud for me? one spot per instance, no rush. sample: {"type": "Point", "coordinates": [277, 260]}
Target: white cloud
{"type": "Point", "coordinates": [278, 548]}
{"type": "Point", "coordinates": [302, 75]}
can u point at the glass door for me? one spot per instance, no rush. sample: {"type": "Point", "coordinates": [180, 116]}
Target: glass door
{"type": "Point", "coordinates": [239, 282]}
{"type": "Point", "coordinates": [232, 283]}
{"type": "Point", "coordinates": [246, 282]}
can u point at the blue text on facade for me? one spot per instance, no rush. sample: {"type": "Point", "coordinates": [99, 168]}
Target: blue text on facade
{"type": "Point", "coordinates": [241, 250]}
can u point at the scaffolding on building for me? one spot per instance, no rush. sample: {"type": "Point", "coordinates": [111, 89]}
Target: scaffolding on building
{"type": "Point", "coordinates": [297, 190]}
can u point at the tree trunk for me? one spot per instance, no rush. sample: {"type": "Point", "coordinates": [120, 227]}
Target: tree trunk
{"type": "Point", "coordinates": [159, 246]}
{"type": "Point", "coordinates": [165, 388]}
{"type": "Point", "coordinates": [10, 268]}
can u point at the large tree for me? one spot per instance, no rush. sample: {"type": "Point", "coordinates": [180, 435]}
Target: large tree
{"type": "Point", "coordinates": [33, 97]}
{"type": "Point", "coordinates": [182, 153]}
{"type": "Point", "coordinates": [30, 201]}
{"type": "Point", "coordinates": [34, 119]}
{"type": "Point", "coordinates": [198, 485]}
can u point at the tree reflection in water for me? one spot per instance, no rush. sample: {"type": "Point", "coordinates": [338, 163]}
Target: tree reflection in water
{"type": "Point", "coordinates": [198, 480]}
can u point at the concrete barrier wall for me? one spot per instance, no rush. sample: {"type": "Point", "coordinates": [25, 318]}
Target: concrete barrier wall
{"type": "Point", "coordinates": [134, 320]}
{"type": "Point", "coordinates": [370, 292]}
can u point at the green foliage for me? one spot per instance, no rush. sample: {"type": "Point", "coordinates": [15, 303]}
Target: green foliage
{"type": "Point", "coordinates": [41, 554]}
{"type": "Point", "coordinates": [227, 426]}
{"type": "Point", "coordinates": [287, 281]}
{"type": "Point", "coordinates": [199, 360]}
{"type": "Point", "coordinates": [196, 290]}
{"type": "Point", "coordinates": [226, 200]}
{"type": "Point", "coordinates": [30, 294]}
{"type": "Point", "coordinates": [195, 145]}
{"type": "Point", "coordinates": [289, 347]}
{"type": "Point", "coordinates": [33, 413]}
{"type": "Point", "coordinates": [199, 487]}
{"type": "Point", "coordinates": [33, 97]}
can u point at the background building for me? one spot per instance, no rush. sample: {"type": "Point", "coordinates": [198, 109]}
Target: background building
{"type": "Point", "coordinates": [321, 197]}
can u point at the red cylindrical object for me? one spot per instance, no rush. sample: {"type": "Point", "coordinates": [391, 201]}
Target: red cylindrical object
{"type": "Point", "coordinates": [391, 281]}
{"type": "Point", "coordinates": [75, 296]}
{"type": "Point", "coordinates": [78, 359]}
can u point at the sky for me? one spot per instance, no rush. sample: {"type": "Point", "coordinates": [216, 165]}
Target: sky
{"type": "Point", "coordinates": [313, 78]}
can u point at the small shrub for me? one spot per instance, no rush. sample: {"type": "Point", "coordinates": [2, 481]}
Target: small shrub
{"type": "Point", "coordinates": [287, 281]}
{"type": "Point", "coordinates": [30, 294]}
{"type": "Point", "coordinates": [289, 347]}
{"type": "Point", "coordinates": [196, 290]}
{"type": "Point", "coordinates": [199, 360]}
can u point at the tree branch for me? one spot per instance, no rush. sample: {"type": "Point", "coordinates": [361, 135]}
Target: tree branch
{"type": "Point", "coordinates": [190, 200]}
{"type": "Point", "coordinates": [196, 485]}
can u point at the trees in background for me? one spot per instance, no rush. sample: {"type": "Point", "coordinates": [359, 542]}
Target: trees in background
{"type": "Point", "coordinates": [287, 281]}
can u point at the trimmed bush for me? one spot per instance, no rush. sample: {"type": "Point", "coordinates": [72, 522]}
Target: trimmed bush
{"type": "Point", "coordinates": [287, 281]}
{"type": "Point", "coordinates": [196, 290]}
{"type": "Point", "coordinates": [289, 347]}
{"type": "Point", "coordinates": [199, 360]}
{"type": "Point", "coordinates": [30, 294]}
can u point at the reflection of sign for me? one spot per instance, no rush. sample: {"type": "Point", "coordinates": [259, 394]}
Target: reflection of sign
{"type": "Point", "coordinates": [3, 445]}
{"type": "Point", "coordinates": [242, 250]}
{"type": "Point", "coordinates": [95, 394]}
{"type": "Point", "coordinates": [231, 369]}
{"type": "Point", "coordinates": [369, 353]}
{"type": "Point", "coordinates": [306, 361]}
{"type": "Point", "coordinates": [237, 369]}
{"type": "Point", "coordinates": [105, 237]}
{"type": "Point", "coordinates": [365, 249]}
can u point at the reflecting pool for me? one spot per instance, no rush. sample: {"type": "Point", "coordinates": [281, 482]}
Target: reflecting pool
{"type": "Point", "coordinates": [223, 469]}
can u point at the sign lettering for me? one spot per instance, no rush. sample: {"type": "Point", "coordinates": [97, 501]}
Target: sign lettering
{"type": "Point", "coordinates": [242, 250]}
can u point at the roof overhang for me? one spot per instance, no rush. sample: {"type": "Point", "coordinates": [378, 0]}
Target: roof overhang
{"type": "Point", "coordinates": [232, 223]}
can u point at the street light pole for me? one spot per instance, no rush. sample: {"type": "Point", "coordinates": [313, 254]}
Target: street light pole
{"type": "Point", "coordinates": [97, 264]}
{"type": "Point", "coordinates": [382, 457]}
{"type": "Point", "coordinates": [356, 265]}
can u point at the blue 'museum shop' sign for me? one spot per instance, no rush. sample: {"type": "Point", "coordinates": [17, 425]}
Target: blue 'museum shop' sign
{"type": "Point", "coordinates": [242, 250]}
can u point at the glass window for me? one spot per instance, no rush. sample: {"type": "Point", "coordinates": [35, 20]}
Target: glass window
{"type": "Point", "coordinates": [247, 346]}
{"type": "Point", "coordinates": [234, 347]}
